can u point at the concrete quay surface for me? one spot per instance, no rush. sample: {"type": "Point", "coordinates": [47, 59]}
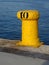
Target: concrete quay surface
{"type": "Point", "coordinates": [9, 46]}
{"type": "Point", "coordinates": [12, 44]}
{"type": "Point", "coordinates": [11, 59]}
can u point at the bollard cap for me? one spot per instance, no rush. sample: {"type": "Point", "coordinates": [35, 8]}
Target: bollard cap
{"type": "Point", "coordinates": [28, 14]}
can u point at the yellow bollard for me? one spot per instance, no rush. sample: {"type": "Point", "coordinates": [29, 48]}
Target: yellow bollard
{"type": "Point", "coordinates": [29, 28]}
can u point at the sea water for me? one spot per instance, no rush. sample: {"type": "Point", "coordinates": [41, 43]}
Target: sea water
{"type": "Point", "coordinates": [10, 26]}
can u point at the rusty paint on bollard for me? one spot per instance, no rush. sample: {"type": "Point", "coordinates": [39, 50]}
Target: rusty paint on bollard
{"type": "Point", "coordinates": [29, 28]}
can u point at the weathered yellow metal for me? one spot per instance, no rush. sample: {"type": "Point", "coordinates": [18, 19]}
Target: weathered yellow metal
{"type": "Point", "coordinates": [29, 28]}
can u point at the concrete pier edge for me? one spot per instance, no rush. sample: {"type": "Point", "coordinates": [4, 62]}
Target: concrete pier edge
{"type": "Point", "coordinates": [9, 46]}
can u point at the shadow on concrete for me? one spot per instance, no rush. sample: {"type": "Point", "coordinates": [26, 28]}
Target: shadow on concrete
{"type": "Point", "coordinates": [46, 63]}
{"type": "Point", "coordinates": [25, 53]}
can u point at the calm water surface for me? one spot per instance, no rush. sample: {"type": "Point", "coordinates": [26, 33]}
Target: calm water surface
{"type": "Point", "coordinates": [10, 26]}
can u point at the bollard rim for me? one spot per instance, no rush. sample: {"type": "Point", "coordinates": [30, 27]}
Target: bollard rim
{"type": "Point", "coordinates": [28, 14]}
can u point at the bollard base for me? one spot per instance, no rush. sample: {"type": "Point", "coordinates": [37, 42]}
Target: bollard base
{"type": "Point", "coordinates": [35, 45]}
